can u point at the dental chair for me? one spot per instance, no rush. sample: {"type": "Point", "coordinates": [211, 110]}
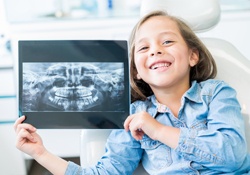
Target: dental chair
{"type": "Point", "coordinates": [233, 67]}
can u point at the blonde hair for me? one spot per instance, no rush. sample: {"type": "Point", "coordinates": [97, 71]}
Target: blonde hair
{"type": "Point", "coordinates": [203, 70]}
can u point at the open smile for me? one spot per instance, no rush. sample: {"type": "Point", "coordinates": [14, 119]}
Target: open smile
{"type": "Point", "coordinates": [159, 65]}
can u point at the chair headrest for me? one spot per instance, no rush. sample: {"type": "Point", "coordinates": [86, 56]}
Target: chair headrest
{"type": "Point", "coordinates": [200, 15]}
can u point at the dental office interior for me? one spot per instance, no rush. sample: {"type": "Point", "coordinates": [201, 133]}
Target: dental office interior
{"type": "Point", "coordinates": [103, 20]}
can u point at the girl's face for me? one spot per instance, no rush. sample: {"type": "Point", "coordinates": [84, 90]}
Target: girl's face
{"type": "Point", "coordinates": [162, 58]}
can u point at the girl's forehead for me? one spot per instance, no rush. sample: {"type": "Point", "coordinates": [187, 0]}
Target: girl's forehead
{"type": "Point", "coordinates": [157, 24]}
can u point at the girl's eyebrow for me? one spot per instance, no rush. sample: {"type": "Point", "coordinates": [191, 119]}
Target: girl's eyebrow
{"type": "Point", "coordinates": [140, 41]}
{"type": "Point", "coordinates": [160, 34]}
{"type": "Point", "coordinates": [168, 33]}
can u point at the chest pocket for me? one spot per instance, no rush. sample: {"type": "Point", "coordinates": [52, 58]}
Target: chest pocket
{"type": "Point", "coordinates": [156, 154]}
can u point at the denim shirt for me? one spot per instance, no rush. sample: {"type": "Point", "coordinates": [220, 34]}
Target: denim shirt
{"type": "Point", "coordinates": [212, 138]}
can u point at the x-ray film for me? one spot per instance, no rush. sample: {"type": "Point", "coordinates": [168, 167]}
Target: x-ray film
{"type": "Point", "coordinates": [74, 83]}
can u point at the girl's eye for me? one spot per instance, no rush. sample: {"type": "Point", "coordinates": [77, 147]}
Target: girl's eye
{"type": "Point", "coordinates": [167, 42]}
{"type": "Point", "coordinates": [142, 48]}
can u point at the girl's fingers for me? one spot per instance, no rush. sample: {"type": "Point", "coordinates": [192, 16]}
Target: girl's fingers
{"type": "Point", "coordinates": [25, 126]}
{"type": "Point", "coordinates": [127, 122]}
{"type": "Point", "coordinates": [19, 125]}
{"type": "Point", "coordinates": [18, 121]}
{"type": "Point", "coordinates": [137, 134]}
{"type": "Point", "coordinates": [25, 135]}
{"type": "Point", "coordinates": [134, 127]}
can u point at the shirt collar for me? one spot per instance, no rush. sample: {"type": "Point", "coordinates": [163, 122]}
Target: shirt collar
{"type": "Point", "coordinates": [193, 93]}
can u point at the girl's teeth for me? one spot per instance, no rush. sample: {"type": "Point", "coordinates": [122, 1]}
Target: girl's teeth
{"type": "Point", "coordinates": [160, 65]}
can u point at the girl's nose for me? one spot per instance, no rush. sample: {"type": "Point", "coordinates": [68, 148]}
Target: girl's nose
{"type": "Point", "coordinates": [155, 53]}
{"type": "Point", "coordinates": [156, 50]}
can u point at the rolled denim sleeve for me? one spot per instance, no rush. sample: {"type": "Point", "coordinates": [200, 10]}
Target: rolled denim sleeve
{"type": "Point", "coordinates": [222, 145]}
{"type": "Point", "coordinates": [122, 156]}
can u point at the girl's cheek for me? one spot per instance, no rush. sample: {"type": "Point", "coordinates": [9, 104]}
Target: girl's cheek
{"type": "Point", "coordinates": [138, 62]}
{"type": "Point", "coordinates": [139, 57]}
{"type": "Point", "coordinates": [141, 60]}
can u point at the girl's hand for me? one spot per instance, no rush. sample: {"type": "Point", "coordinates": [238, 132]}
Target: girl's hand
{"type": "Point", "coordinates": [31, 143]}
{"type": "Point", "coordinates": [142, 123]}
{"type": "Point", "coordinates": [28, 141]}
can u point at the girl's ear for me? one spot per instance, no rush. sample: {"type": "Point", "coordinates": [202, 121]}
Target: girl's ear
{"type": "Point", "coordinates": [194, 57]}
{"type": "Point", "coordinates": [138, 76]}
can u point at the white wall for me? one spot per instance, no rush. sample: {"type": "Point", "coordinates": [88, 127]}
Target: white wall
{"type": "Point", "coordinates": [11, 160]}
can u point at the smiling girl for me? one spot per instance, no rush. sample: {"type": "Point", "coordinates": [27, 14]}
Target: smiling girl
{"type": "Point", "coordinates": [182, 120]}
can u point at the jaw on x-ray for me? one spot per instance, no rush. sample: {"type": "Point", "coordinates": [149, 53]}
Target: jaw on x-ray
{"type": "Point", "coordinates": [72, 86]}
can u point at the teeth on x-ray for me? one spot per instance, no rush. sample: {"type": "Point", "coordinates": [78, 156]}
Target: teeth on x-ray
{"type": "Point", "coordinates": [71, 86]}
{"type": "Point", "coordinates": [73, 92]}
